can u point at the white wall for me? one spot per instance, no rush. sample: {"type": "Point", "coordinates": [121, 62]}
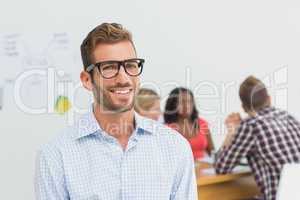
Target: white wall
{"type": "Point", "coordinates": [184, 42]}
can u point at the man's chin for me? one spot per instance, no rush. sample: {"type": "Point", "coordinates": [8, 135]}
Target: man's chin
{"type": "Point", "coordinates": [118, 109]}
{"type": "Point", "coordinates": [123, 109]}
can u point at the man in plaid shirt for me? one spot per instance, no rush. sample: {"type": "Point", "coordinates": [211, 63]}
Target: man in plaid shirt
{"type": "Point", "coordinates": [268, 138]}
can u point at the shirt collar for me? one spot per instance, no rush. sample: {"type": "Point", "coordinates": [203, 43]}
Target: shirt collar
{"type": "Point", "coordinates": [266, 110]}
{"type": "Point", "coordinates": [145, 125]}
{"type": "Point", "coordinates": [88, 125]}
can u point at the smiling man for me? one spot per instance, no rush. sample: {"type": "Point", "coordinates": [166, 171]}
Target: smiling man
{"type": "Point", "coordinates": [112, 152]}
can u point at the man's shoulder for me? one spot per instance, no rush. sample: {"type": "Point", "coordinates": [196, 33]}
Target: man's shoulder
{"type": "Point", "coordinates": [266, 115]}
{"type": "Point", "coordinates": [61, 140]}
{"type": "Point", "coordinates": [249, 121]}
{"type": "Point", "coordinates": [165, 135]}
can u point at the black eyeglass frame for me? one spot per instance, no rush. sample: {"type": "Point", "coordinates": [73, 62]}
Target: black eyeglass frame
{"type": "Point", "coordinates": [120, 63]}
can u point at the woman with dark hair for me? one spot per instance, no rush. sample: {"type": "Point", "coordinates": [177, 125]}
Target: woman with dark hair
{"type": "Point", "coordinates": [181, 114]}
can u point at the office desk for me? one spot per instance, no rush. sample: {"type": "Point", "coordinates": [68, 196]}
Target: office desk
{"type": "Point", "coordinates": [238, 185]}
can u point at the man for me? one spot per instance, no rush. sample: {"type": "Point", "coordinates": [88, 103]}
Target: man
{"type": "Point", "coordinates": [268, 138]}
{"type": "Point", "coordinates": [113, 153]}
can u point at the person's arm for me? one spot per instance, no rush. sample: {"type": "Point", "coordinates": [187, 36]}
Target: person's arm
{"type": "Point", "coordinates": [237, 145]}
{"type": "Point", "coordinates": [49, 177]}
{"type": "Point", "coordinates": [210, 144]}
{"type": "Point", "coordinates": [185, 186]}
{"type": "Point", "coordinates": [204, 129]}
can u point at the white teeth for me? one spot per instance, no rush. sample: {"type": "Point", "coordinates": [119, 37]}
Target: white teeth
{"type": "Point", "coordinates": [122, 91]}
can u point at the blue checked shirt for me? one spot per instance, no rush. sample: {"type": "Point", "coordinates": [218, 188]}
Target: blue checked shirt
{"type": "Point", "coordinates": [85, 163]}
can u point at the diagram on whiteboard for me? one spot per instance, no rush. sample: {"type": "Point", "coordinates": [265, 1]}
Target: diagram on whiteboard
{"type": "Point", "coordinates": [21, 53]}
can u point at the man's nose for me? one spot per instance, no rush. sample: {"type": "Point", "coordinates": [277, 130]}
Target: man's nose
{"type": "Point", "coordinates": [122, 76]}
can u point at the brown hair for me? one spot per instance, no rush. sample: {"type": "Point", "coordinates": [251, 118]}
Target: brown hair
{"type": "Point", "coordinates": [145, 99]}
{"type": "Point", "coordinates": [108, 33]}
{"type": "Point", "coordinates": [253, 94]}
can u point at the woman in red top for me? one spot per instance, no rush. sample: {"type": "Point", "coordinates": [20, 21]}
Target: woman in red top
{"type": "Point", "coordinates": [181, 114]}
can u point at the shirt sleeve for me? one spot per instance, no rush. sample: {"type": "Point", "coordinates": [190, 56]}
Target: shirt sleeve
{"type": "Point", "coordinates": [49, 177]}
{"type": "Point", "coordinates": [185, 186]}
{"type": "Point", "coordinates": [242, 143]}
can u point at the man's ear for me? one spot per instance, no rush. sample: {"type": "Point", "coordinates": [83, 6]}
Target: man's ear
{"type": "Point", "coordinates": [86, 80]}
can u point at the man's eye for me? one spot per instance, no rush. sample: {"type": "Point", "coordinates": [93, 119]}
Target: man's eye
{"type": "Point", "coordinates": [109, 67]}
{"type": "Point", "coordinates": [132, 65]}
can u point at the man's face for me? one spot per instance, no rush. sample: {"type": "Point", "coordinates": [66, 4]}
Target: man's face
{"type": "Point", "coordinates": [115, 94]}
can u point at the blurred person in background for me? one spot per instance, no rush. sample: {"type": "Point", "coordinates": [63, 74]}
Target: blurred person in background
{"type": "Point", "coordinates": [147, 104]}
{"type": "Point", "coordinates": [268, 138]}
{"type": "Point", "coordinates": [182, 115]}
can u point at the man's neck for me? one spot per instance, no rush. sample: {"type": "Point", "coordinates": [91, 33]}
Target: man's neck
{"type": "Point", "coordinates": [119, 125]}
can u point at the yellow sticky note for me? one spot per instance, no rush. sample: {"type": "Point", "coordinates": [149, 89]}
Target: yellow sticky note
{"type": "Point", "coordinates": [62, 104]}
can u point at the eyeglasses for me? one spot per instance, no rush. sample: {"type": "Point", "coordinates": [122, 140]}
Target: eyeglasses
{"type": "Point", "coordinates": [110, 69]}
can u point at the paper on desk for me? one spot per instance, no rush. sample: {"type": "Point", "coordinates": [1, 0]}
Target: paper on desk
{"type": "Point", "coordinates": [207, 159]}
{"type": "Point", "coordinates": [238, 169]}
{"type": "Point", "coordinates": [209, 171]}
{"type": "Point", "coordinates": [241, 169]}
